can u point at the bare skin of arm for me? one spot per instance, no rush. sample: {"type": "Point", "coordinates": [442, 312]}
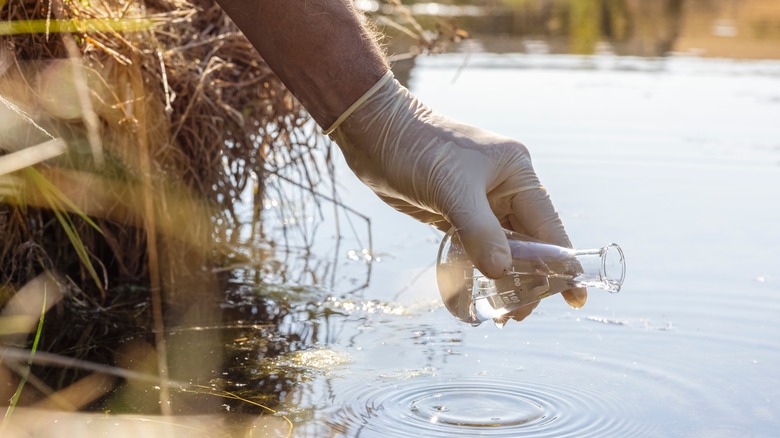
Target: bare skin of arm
{"type": "Point", "coordinates": [318, 48]}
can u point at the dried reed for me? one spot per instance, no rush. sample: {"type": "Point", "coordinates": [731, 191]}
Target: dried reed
{"type": "Point", "coordinates": [162, 114]}
{"type": "Point", "coordinates": [145, 121]}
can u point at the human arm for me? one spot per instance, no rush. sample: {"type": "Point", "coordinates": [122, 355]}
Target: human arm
{"type": "Point", "coordinates": [423, 164]}
{"type": "Point", "coordinates": [319, 49]}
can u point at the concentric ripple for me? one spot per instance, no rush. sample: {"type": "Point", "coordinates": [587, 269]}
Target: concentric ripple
{"type": "Point", "coordinates": [471, 407]}
{"type": "Point", "coordinates": [435, 407]}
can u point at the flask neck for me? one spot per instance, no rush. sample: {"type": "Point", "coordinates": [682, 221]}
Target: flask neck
{"type": "Point", "coordinates": [603, 268]}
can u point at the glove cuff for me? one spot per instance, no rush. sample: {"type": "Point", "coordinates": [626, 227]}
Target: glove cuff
{"type": "Point", "coordinates": [359, 102]}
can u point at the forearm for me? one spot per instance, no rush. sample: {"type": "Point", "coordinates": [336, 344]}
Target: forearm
{"type": "Point", "coordinates": [318, 48]}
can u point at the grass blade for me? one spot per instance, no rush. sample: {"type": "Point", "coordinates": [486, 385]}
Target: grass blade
{"type": "Point", "coordinates": [23, 381]}
{"type": "Point", "coordinates": [57, 201]}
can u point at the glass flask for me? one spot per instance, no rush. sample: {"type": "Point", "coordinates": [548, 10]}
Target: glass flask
{"type": "Point", "coordinates": [538, 270]}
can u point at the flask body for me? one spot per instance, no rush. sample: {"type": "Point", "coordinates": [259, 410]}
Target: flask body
{"type": "Point", "coordinates": [538, 270]}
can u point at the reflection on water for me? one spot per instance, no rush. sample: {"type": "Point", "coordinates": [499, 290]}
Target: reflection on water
{"type": "Point", "coordinates": [713, 28]}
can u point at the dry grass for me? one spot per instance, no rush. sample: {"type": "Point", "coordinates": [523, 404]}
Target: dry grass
{"type": "Point", "coordinates": [185, 108]}
{"type": "Point", "coordinates": [145, 122]}
{"type": "Point", "coordinates": [128, 131]}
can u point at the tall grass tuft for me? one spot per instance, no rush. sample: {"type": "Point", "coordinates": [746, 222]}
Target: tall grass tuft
{"type": "Point", "coordinates": [164, 115]}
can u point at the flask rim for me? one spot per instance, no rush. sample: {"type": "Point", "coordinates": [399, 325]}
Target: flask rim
{"type": "Point", "coordinates": [613, 271]}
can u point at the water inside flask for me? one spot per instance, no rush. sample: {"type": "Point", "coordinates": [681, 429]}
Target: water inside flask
{"type": "Point", "coordinates": [538, 270]}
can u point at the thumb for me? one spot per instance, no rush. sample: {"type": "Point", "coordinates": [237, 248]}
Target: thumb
{"type": "Point", "coordinates": [482, 236]}
{"type": "Point", "coordinates": [536, 213]}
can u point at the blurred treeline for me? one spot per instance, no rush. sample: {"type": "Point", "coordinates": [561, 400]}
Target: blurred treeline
{"type": "Point", "coordinates": [719, 28]}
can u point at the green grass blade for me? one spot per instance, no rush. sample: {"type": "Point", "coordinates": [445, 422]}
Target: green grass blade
{"type": "Point", "coordinates": [42, 183]}
{"type": "Point", "coordinates": [23, 381]}
{"type": "Point", "coordinates": [23, 27]}
{"type": "Point", "coordinates": [58, 202]}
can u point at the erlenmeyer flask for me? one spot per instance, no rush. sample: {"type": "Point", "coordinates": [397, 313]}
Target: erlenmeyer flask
{"type": "Point", "coordinates": [538, 270]}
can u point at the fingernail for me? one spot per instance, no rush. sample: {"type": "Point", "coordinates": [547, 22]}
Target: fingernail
{"type": "Point", "coordinates": [576, 298]}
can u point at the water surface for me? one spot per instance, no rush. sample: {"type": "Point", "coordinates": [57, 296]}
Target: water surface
{"type": "Point", "coordinates": [676, 159]}
{"type": "Point", "coordinates": [674, 155]}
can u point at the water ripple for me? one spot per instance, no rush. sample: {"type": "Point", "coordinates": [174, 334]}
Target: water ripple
{"type": "Point", "coordinates": [437, 407]}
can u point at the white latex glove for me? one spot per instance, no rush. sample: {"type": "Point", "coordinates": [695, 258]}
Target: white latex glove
{"type": "Point", "coordinates": [446, 173]}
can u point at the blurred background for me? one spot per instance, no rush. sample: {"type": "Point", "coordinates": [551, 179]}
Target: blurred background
{"type": "Point", "coordinates": [706, 28]}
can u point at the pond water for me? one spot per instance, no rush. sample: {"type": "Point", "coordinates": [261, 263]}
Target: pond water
{"type": "Point", "coordinates": [676, 159]}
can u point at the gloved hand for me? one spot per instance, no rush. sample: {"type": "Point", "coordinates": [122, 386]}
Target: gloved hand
{"type": "Point", "coordinates": [446, 173]}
